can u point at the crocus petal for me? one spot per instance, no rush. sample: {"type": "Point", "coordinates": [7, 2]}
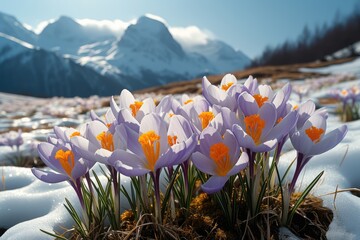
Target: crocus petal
{"type": "Point", "coordinates": [49, 177]}
{"type": "Point", "coordinates": [79, 169]}
{"type": "Point", "coordinates": [184, 150]}
{"type": "Point", "coordinates": [84, 148]}
{"type": "Point", "coordinates": [247, 104]}
{"type": "Point", "coordinates": [47, 152]}
{"type": "Point", "coordinates": [301, 143]}
{"type": "Point", "coordinates": [125, 116]}
{"type": "Point", "coordinates": [127, 163]}
{"type": "Point", "coordinates": [133, 141]}
{"type": "Point", "coordinates": [283, 127]}
{"type": "Point", "coordinates": [240, 164]}
{"type": "Point", "coordinates": [268, 113]}
{"type": "Point", "coordinates": [329, 141]}
{"type": "Point", "coordinates": [243, 139]}
{"type": "Point", "coordinates": [229, 118]}
{"type": "Point", "coordinates": [126, 98]}
{"type": "Point", "coordinates": [148, 106]}
{"type": "Point", "coordinates": [114, 107]}
{"type": "Point", "coordinates": [204, 163]}
{"type": "Point", "coordinates": [153, 122]}
{"type": "Point", "coordinates": [180, 127]}
{"type": "Point", "coordinates": [94, 128]}
{"type": "Point", "coordinates": [120, 137]}
{"type": "Point", "coordinates": [209, 137]}
{"type": "Point", "coordinates": [214, 184]}
{"type": "Point", "coordinates": [102, 155]}
{"type": "Point", "coordinates": [164, 106]}
{"type": "Point", "coordinates": [231, 143]}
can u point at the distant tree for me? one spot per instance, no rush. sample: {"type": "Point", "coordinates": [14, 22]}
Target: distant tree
{"type": "Point", "coordinates": [315, 44]}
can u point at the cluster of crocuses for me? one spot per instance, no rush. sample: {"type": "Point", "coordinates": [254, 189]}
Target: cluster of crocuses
{"type": "Point", "coordinates": [228, 135]}
{"type": "Point", "coordinates": [348, 97]}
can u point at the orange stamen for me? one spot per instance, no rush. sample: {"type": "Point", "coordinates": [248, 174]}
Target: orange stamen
{"type": "Point", "coordinates": [106, 140]}
{"type": "Point", "coordinates": [226, 86]}
{"type": "Point", "coordinates": [172, 140]}
{"type": "Point", "coordinates": [344, 92]}
{"type": "Point", "coordinates": [219, 153]}
{"type": "Point", "coordinates": [260, 100]}
{"type": "Point", "coordinates": [188, 101]}
{"type": "Point", "coordinates": [314, 133]}
{"type": "Point", "coordinates": [254, 126]}
{"type": "Point", "coordinates": [171, 114]}
{"type": "Point", "coordinates": [135, 107]}
{"type": "Point", "coordinates": [66, 159]}
{"type": "Point", "coordinates": [279, 120]}
{"type": "Point", "coordinates": [295, 107]}
{"type": "Point", "coordinates": [205, 118]}
{"type": "Point", "coordinates": [76, 133]}
{"type": "Point", "coordinates": [150, 145]}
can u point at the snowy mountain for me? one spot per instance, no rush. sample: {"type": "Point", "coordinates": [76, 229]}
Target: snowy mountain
{"type": "Point", "coordinates": [32, 71]}
{"type": "Point", "coordinates": [9, 25]}
{"type": "Point", "coordinates": [223, 57]}
{"type": "Point", "coordinates": [66, 36]}
{"type": "Point", "coordinates": [145, 55]}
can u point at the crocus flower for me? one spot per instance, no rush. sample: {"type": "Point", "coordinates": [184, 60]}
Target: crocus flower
{"type": "Point", "coordinates": [220, 157]}
{"type": "Point", "coordinates": [138, 108]}
{"type": "Point", "coordinates": [66, 163]}
{"type": "Point", "coordinates": [225, 94]}
{"type": "Point", "coordinates": [259, 129]}
{"type": "Point", "coordinates": [202, 115]}
{"type": "Point", "coordinates": [12, 139]}
{"type": "Point", "coordinates": [311, 140]}
{"type": "Point", "coordinates": [99, 141]}
{"type": "Point", "coordinates": [155, 146]}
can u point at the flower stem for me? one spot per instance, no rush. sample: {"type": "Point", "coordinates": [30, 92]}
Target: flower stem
{"type": "Point", "coordinates": [155, 176]}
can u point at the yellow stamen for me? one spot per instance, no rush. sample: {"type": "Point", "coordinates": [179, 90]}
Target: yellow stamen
{"type": "Point", "coordinates": [295, 106]}
{"type": "Point", "coordinates": [260, 100]}
{"type": "Point", "coordinates": [76, 133]}
{"type": "Point", "coordinates": [150, 145]}
{"type": "Point", "coordinates": [106, 140]}
{"type": "Point", "coordinates": [188, 101]}
{"type": "Point", "coordinates": [205, 118]}
{"type": "Point", "coordinates": [219, 153]}
{"type": "Point", "coordinates": [226, 86]}
{"type": "Point", "coordinates": [171, 114]}
{"type": "Point", "coordinates": [172, 140]}
{"type": "Point", "coordinates": [135, 107]}
{"type": "Point", "coordinates": [314, 133]}
{"type": "Point", "coordinates": [254, 126]}
{"type": "Point", "coordinates": [344, 92]}
{"type": "Point", "coordinates": [66, 159]}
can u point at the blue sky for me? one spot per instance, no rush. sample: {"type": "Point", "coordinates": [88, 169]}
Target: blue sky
{"type": "Point", "coordinates": [248, 25]}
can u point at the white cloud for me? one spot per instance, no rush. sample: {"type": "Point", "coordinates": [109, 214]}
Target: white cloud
{"type": "Point", "coordinates": [114, 27]}
{"type": "Point", "coordinates": [157, 18]}
{"type": "Point", "coordinates": [191, 35]}
{"type": "Point", "coordinates": [38, 29]}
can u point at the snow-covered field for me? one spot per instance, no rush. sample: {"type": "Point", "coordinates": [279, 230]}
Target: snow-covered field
{"type": "Point", "coordinates": [28, 205]}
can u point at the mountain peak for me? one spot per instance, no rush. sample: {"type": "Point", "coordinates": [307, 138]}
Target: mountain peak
{"type": "Point", "coordinates": [150, 23]}
{"type": "Point", "coordinates": [9, 25]}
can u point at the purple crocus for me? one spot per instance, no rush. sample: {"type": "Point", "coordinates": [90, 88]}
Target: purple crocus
{"type": "Point", "coordinates": [220, 157]}
{"type": "Point", "coordinates": [12, 139]}
{"type": "Point", "coordinates": [259, 128]}
{"type": "Point", "coordinates": [138, 108]}
{"type": "Point", "coordinates": [311, 140]}
{"type": "Point", "coordinates": [155, 146]}
{"type": "Point", "coordinates": [67, 164]}
{"type": "Point", "coordinates": [225, 94]}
